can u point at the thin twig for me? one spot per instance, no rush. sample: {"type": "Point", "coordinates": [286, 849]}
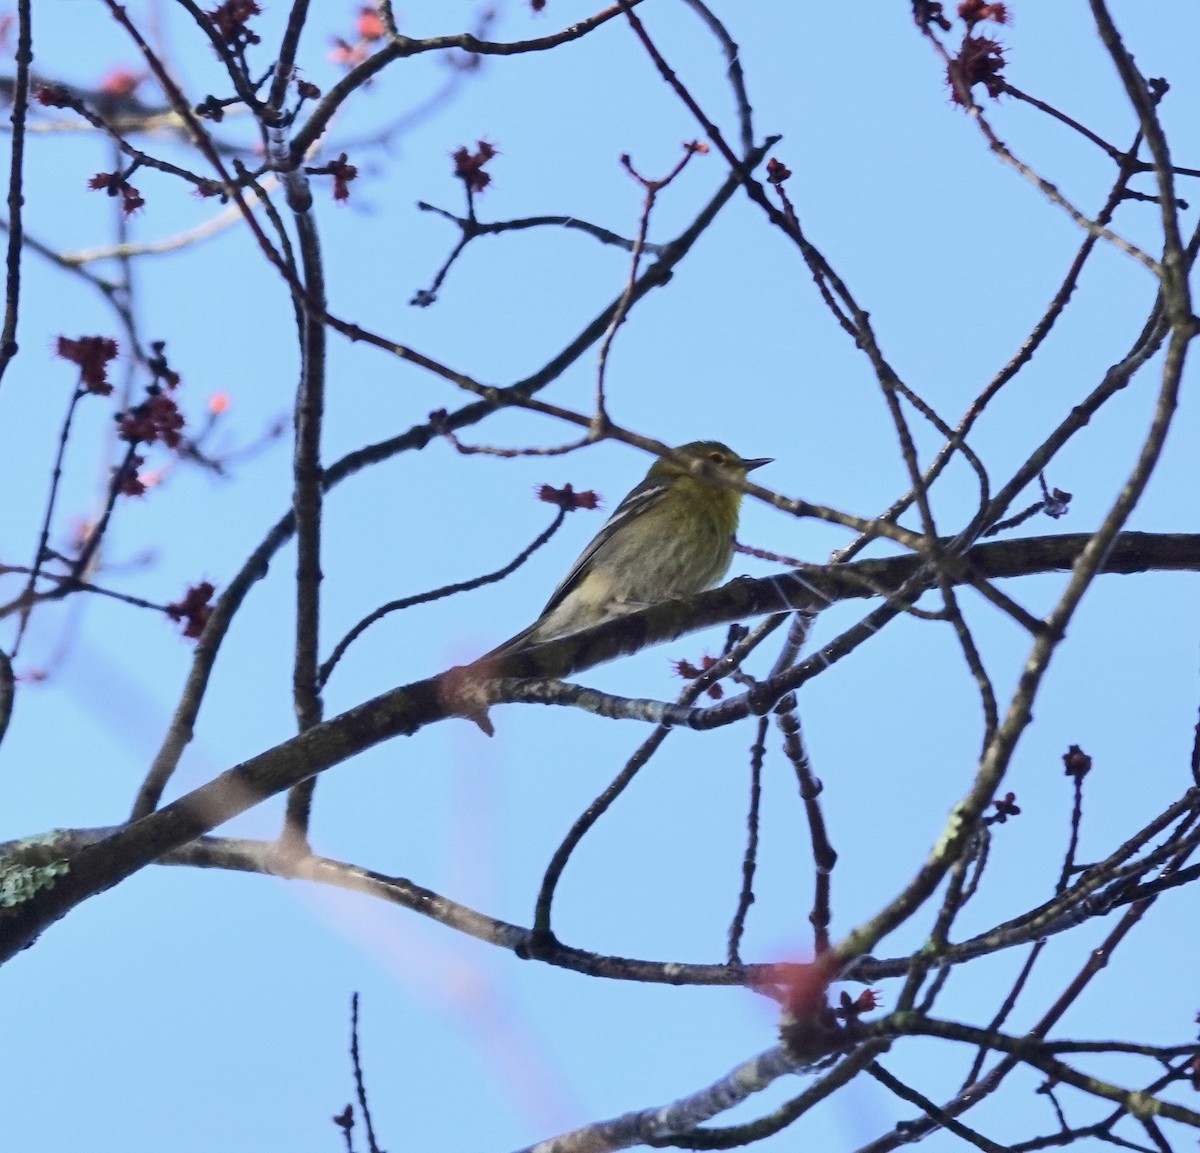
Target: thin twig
{"type": "Point", "coordinates": [16, 181]}
{"type": "Point", "coordinates": [360, 1087]}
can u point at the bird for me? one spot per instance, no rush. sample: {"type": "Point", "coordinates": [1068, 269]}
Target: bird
{"type": "Point", "coordinates": [671, 536]}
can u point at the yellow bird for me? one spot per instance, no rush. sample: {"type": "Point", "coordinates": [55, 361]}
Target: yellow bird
{"type": "Point", "coordinates": [671, 536]}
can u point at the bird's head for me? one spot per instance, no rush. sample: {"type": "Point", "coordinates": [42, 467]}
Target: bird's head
{"type": "Point", "coordinates": [711, 452]}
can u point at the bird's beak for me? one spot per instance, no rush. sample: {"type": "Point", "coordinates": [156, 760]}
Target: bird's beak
{"type": "Point", "coordinates": [757, 462]}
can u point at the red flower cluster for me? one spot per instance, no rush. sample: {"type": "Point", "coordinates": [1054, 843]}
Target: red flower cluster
{"type": "Point", "coordinates": [53, 96]}
{"type": "Point", "coordinates": [369, 27]}
{"type": "Point", "coordinates": [116, 184]}
{"type": "Point", "coordinates": [689, 672]}
{"type": "Point", "coordinates": [194, 609]}
{"type": "Point", "coordinates": [468, 166]}
{"type": "Point", "coordinates": [91, 354]}
{"type": "Point", "coordinates": [342, 172]}
{"type": "Point", "coordinates": [926, 12]}
{"type": "Point", "coordinates": [777, 171]}
{"type": "Point", "coordinates": [230, 20]}
{"type": "Point", "coordinates": [799, 985]}
{"type": "Point", "coordinates": [852, 1008]}
{"type": "Point", "coordinates": [979, 61]}
{"type": "Point", "coordinates": [129, 483]}
{"type": "Point", "coordinates": [567, 498]}
{"type": "Point", "coordinates": [156, 418]}
{"type": "Point", "coordinates": [973, 11]}
{"type": "Point", "coordinates": [121, 82]}
{"type": "Point", "coordinates": [370, 23]}
{"type": "Point", "coordinates": [346, 54]}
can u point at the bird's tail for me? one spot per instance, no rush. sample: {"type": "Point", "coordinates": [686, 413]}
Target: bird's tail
{"type": "Point", "coordinates": [514, 644]}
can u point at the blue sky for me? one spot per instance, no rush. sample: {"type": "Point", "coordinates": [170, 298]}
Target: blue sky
{"type": "Point", "coordinates": [191, 1010]}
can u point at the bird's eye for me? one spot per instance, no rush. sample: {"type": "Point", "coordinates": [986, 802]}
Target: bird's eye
{"type": "Point", "coordinates": [716, 457]}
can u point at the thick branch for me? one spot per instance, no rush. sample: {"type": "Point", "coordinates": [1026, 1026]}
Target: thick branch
{"type": "Point", "coordinates": [464, 692]}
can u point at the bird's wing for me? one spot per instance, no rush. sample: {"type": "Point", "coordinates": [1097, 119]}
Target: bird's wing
{"type": "Point", "coordinates": [636, 503]}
